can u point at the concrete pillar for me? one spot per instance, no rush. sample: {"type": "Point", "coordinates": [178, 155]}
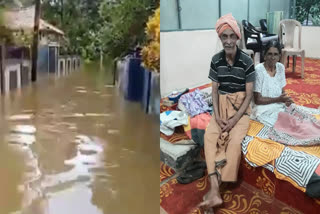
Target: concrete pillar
{"type": "Point", "coordinates": [12, 68]}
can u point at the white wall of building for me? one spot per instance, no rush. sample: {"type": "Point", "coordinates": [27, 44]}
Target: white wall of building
{"type": "Point", "coordinates": [310, 41]}
{"type": "Point", "coordinates": [185, 58]}
{"type": "Point", "coordinates": [186, 55]}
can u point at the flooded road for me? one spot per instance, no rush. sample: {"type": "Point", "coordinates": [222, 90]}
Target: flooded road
{"type": "Point", "coordinates": [72, 145]}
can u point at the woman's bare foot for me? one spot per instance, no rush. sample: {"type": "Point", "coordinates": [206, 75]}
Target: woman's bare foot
{"type": "Point", "coordinates": [210, 200]}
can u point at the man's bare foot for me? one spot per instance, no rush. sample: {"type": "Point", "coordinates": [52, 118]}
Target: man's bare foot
{"type": "Point", "coordinates": [210, 200]}
{"type": "Point", "coordinates": [209, 211]}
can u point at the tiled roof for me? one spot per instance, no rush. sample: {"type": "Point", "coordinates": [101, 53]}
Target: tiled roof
{"type": "Point", "coordinates": [24, 19]}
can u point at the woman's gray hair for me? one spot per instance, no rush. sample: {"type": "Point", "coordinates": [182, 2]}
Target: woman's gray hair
{"type": "Point", "coordinates": [273, 44]}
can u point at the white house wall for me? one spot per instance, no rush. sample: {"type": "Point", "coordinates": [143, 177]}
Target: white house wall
{"type": "Point", "coordinates": [310, 41]}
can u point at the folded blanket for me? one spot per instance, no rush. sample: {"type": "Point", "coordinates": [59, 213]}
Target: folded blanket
{"type": "Point", "coordinates": [296, 126]}
{"type": "Point", "coordinates": [171, 119]}
{"type": "Point", "coordinates": [295, 164]}
{"type": "Point", "coordinates": [196, 127]}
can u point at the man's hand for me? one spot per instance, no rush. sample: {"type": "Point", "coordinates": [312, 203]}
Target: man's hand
{"type": "Point", "coordinates": [230, 124]}
{"type": "Point", "coordinates": [221, 123]}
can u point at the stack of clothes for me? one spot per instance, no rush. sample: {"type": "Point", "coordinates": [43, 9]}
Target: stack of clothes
{"type": "Point", "coordinates": [194, 110]}
{"type": "Point", "coordinates": [192, 113]}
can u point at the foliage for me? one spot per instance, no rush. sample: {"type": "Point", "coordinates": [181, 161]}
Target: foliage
{"type": "Point", "coordinates": [19, 38]}
{"type": "Point", "coordinates": [16, 3]}
{"type": "Point", "coordinates": [123, 24]}
{"type": "Point", "coordinates": [80, 21]}
{"type": "Point", "coordinates": [315, 18]}
{"type": "Point", "coordinates": [306, 9]}
{"type": "Point", "coordinates": [22, 38]}
{"type": "Point", "coordinates": [5, 34]}
{"type": "Point", "coordinates": [92, 27]}
{"type": "Point", "coordinates": [151, 52]}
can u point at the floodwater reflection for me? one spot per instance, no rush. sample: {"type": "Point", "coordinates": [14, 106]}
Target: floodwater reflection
{"type": "Point", "coordinates": [73, 145]}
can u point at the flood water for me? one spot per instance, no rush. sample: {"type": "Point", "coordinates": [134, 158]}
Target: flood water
{"type": "Point", "coordinates": [73, 145]}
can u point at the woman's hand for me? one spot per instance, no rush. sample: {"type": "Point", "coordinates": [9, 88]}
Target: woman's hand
{"type": "Point", "coordinates": [284, 98]}
{"type": "Point", "coordinates": [289, 102]}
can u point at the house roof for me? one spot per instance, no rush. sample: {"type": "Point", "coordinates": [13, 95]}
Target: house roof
{"type": "Point", "coordinates": [17, 19]}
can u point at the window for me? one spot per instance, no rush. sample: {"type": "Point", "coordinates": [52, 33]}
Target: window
{"type": "Point", "coordinates": [308, 12]}
{"type": "Point", "coordinates": [258, 11]}
{"type": "Point", "coordinates": [283, 5]}
{"type": "Point", "coordinates": [202, 14]}
{"type": "Point", "coordinates": [169, 15]}
{"type": "Point", "coordinates": [239, 9]}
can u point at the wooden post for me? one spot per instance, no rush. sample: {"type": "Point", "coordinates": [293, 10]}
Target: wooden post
{"type": "Point", "coordinates": [30, 60]}
{"type": "Point", "coordinates": [115, 66]}
{"type": "Point", "coordinates": [101, 59]}
{"type": "Point", "coordinates": [21, 65]}
{"type": "Point", "coordinates": [35, 41]}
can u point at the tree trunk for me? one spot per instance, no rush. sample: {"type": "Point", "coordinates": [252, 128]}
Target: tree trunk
{"type": "Point", "coordinates": [61, 12]}
{"type": "Point", "coordinates": [308, 16]}
{"type": "Point", "coordinates": [35, 42]}
{"type": "Point", "coordinates": [2, 66]}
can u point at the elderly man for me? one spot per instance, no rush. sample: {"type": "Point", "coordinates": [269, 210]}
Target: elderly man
{"type": "Point", "coordinates": [232, 74]}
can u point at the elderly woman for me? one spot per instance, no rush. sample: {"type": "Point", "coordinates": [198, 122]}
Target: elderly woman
{"type": "Point", "coordinates": [289, 124]}
{"type": "Point", "coordinates": [232, 75]}
{"type": "Point", "coordinates": [269, 95]}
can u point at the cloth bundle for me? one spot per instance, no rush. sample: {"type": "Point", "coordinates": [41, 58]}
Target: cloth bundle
{"type": "Point", "coordinates": [171, 119]}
